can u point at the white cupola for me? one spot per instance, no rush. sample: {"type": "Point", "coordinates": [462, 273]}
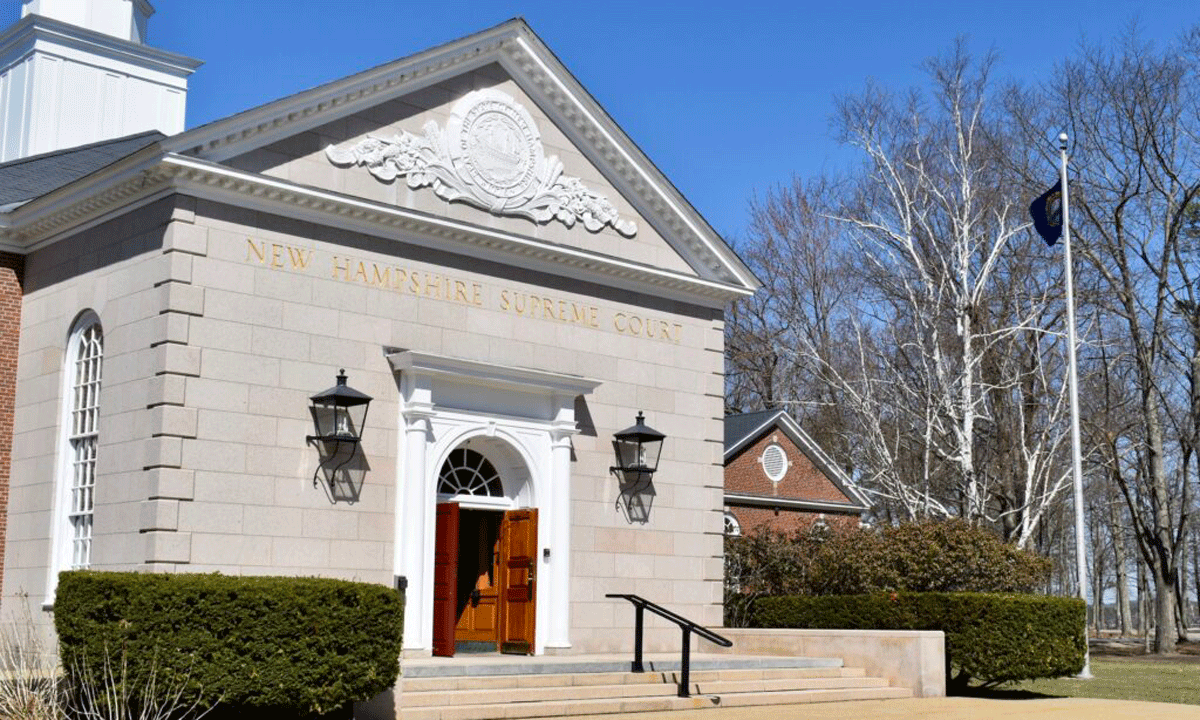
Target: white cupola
{"type": "Point", "coordinates": [74, 72]}
{"type": "Point", "coordinates": [120, 18]}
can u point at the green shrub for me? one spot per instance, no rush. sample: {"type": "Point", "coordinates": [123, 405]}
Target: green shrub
{"type": "Point", "coordinates": [941, 556]}
{"type": "Point", "coordinates": [263, 645]}
{"type": "Point", "coordinates": [991, 638]}
{"type": "Point", "coordinates": [956, 556]}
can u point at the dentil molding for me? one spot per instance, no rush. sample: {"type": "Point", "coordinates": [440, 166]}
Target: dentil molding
{"type": "Point", "coordinates": [489, 155]}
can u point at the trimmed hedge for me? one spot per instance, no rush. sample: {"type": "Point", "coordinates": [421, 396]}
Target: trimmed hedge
{"type": "Point", "coordinates": [268, 645]}
{"type": "Point", "coordinates": [991, 638]}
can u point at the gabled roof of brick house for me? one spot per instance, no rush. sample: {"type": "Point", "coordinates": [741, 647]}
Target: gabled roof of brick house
{"type": "Point", "coordinates": [742, 431]}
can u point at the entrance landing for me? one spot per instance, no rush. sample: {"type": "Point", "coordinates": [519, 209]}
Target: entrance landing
{"type": "Point", "coordinates": [485, 665]}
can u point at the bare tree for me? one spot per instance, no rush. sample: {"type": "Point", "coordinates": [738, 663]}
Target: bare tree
{"type": "Point", "coordinates": [935, 230]}
{"type": "Point", "coordinates": [1132, 115]}
{"type": "Point", "coordinates": [912, 321]}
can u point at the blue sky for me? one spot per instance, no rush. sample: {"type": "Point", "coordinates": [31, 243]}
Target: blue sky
{"type": "Point", "coordinates": [728, 99]}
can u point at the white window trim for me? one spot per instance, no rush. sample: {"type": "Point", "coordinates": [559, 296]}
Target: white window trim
{"type": "Point", "coordinates": [733, 528]}
{"type": "Point", "coordinates": [787, 463]}
{"type": "Point", "coordinates": [62, 536]}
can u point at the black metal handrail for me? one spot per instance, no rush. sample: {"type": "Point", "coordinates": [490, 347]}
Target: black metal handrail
{"type": "Point", "coordinates": [641, 604]}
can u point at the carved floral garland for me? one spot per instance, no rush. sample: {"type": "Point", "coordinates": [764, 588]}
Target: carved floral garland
{"type": "Point", "coordinates": [489, 155]}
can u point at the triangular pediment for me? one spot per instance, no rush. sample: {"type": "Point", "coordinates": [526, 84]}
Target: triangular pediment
{"type": "Point", "coordinates": [489, 131]}
{"type": "Point", "coordinates": [476, 148]}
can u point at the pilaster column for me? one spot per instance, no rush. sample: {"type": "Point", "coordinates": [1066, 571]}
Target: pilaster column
{"type": "Point", "coordinates": [411, 501]}
{"type": "Point", "coordinates": [559, 570]}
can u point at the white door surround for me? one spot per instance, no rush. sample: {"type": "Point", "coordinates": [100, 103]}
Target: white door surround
{"type": "Point", "coordinates": [521, 418]}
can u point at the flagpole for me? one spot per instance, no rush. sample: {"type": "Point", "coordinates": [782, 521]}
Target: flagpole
{"type": "Point", "coordinates": [1073, 378]}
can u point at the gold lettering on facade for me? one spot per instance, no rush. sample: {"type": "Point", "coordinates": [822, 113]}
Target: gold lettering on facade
{"type": "Point", "coordinates": [277, 255]}
{"type": "Point", "coordinates": [343, 266]}
{"type": "Point", "coordinates": [382, 277]}
{"type": "Point", "coordinates": [257, 250]}
{"type": "Point", "coordinates": [281, 256]}
{"type": "Point", "coordinates": [299, 257]}
{"type": "Point", "coordinates": [548, 308]}
{"type": "Point", "coordinates": [649, 328]}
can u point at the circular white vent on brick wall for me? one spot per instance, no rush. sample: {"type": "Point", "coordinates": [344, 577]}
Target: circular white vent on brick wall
{"type": "Point", "coordinates": [774, 462]}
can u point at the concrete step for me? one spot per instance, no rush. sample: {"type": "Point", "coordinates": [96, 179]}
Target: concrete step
{"type": "Point", "coordinates": [510, 665]}
{"type": "Point", "coordinates": [557, 709]}
{"type": "Point", "coordinates": [552, 694]}
{"type": "Point", "coordinates": [727, 688]}
{"type": "Point", "coordinates": [537, 694]}
{"type": "Point", "coordinates": [494, 682]}
{"type": "Point", "coordinates": [511, 710]}
{"type": "Point", "coordinates": [796, 697]}
{"type": "Point", "coordinates": [767, 674]}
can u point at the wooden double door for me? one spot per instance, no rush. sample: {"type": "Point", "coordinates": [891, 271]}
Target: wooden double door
{"type": "Point", "coordinates": [485, 567]}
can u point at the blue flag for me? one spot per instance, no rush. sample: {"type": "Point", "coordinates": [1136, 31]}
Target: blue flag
{"type": "Point", "coordinates": [1047, 214]}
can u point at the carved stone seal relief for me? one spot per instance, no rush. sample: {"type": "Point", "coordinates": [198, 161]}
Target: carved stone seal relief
{"type": "Point", "coordinates": [489, 155]}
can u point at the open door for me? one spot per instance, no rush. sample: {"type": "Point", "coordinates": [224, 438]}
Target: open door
{"type": "Point", "coordinates": [518, 564]}
{"type": "Point", "coordinates": [478, 579]}
{"type": "Point", "coordinates": [445, 579]}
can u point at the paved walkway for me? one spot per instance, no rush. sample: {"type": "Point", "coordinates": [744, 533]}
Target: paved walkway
{"type": "Point", "coordinates": [951, 708]}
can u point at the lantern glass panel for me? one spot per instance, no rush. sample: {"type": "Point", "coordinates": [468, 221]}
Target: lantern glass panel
{"type": "Point", "coordinates": [352, 420]}
{"type": "Point", "coordinates": [628, 452]}
{"type": "Point", "coordinates": [324, 418]}
{"type": "Point", "coordinates": [649, 452]}
{"type": "Point", "coordinates": [333, 420]}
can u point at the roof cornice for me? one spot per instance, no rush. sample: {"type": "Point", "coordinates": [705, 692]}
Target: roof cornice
{"type": "Point", "coordinates": [116, 187]}
{"type": "Point", "coordinates": [607, 146]}
{"type": "Point", "coordinates": [768, 501]}
{"type": "Point", "coordinates": [32, 28]}
{"type": "Point", "coordinates": [152, 172]}
{"type": "Point", "coordinates": [262, 125]}
{"type": "Point", "coordinates": [540, 74]}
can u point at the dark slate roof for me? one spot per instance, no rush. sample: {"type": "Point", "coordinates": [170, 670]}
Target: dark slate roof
{"type": "Point", "coordinates": [737, 427]}
{"type": "Point", "coordinates": [32, 177]}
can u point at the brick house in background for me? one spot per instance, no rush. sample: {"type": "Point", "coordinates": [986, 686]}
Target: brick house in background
{"type": "Point", "coordinates": [777, 477]}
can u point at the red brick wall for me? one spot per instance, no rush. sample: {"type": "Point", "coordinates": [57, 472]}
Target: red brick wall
{"type": "Point", "coordinates": [753, 519]}
{"type": "Point", "coordinates": [744, 474]}
{"type": "Point", "coordinates": [11, 277]}
{"type": "Point", "coordinates": [802, 481]}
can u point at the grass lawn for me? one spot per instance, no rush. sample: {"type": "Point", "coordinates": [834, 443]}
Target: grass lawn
{"type": "Point", "coordinates": [1162, 680]}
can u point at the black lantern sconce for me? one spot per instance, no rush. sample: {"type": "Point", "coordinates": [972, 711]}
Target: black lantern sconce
{"type": "Point", "coordinates": [638, 448]}
{"type": "Point", "coordinates": [339, 415]}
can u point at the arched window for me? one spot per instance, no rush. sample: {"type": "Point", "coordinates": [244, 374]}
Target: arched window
{"type": "Point", "coordinates": [77, 474]}
{"type": "Point", "coordinates": [732, 526]}
{"type": "Point", "coordinates": [467, 472]}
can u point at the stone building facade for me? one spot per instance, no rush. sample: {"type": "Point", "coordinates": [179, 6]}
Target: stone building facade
{"type": "Point", "coordinates": [482, 250]}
